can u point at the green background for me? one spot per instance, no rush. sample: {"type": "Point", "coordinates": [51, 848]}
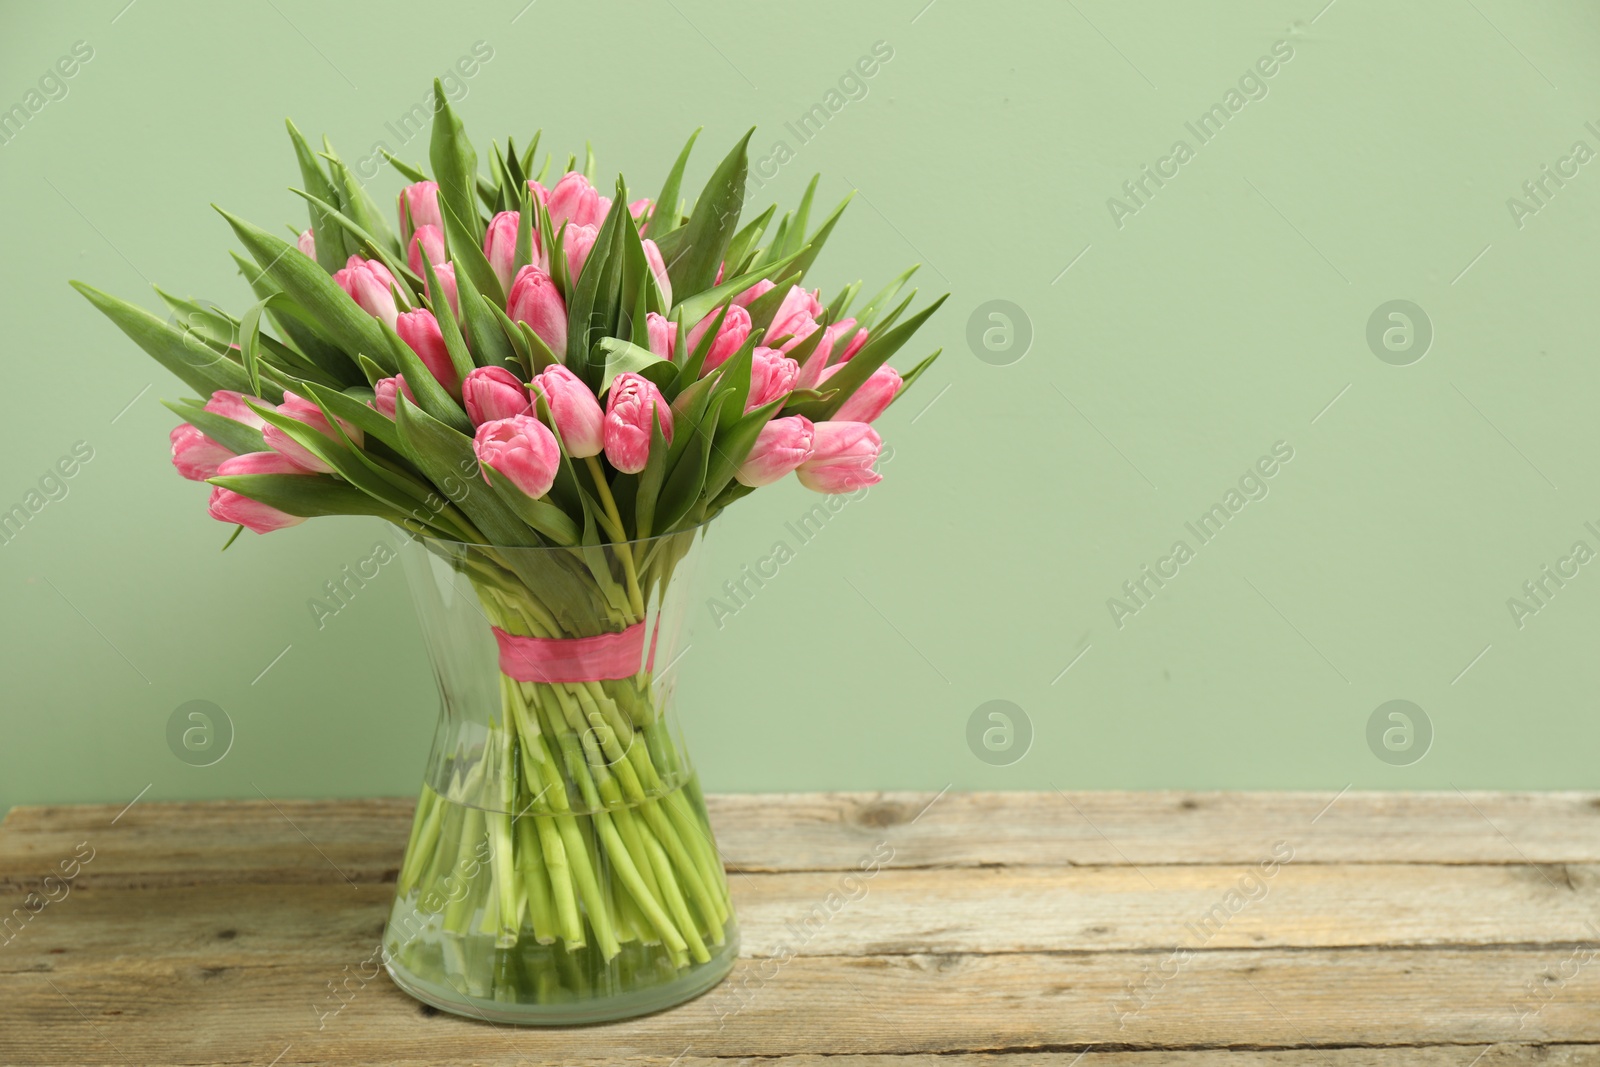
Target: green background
{"type": "Point", "coordinates": [1223, 316]}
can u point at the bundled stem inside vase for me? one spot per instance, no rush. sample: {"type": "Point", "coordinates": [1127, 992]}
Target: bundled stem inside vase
{"type": "Point", "coordinates": [565, 834]}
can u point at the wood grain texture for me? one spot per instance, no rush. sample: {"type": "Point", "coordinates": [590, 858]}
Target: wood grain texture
{"type": "Point", "coordinates": [1143, 928]}
{"type": "Point", "coordinates": [246, 840]}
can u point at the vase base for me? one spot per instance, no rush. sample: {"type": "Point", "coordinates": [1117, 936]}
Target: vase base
{"type": "Point", "coordinates": [586, 1011]}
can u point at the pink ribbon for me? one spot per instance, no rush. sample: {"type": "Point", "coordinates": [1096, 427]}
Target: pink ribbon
{"type": "Point", "coordinates": [573, 659]}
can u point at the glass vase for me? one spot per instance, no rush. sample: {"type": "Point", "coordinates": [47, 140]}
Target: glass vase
{"type": "Point", "coordinates": [561, 869]}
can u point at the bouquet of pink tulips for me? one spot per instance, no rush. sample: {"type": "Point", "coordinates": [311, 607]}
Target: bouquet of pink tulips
{"type": "Point", "coordinates": [516, 366]}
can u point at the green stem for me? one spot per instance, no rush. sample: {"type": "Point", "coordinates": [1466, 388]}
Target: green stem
{"type": "Point", "coordinates": [619, 535]}
{"type": "Point", "coordinates": [536, 882]}
{"type": "Point", "coordinates": [549, 796]}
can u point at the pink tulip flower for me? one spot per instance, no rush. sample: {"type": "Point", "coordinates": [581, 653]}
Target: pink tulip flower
{"type": "Point", "coordinates": [754, 293]}
{"type": "Point", "coordinates": [500, 246]}
{"type": "Point", "coordinates": [307, 243]}
{"type": "Point", "coordinates": [229, 506]}
{"type": "Point", "coordinates": [535, 300]}
{"type": "Point", "coordinates": [523, 449]}
{"type": "Point", "coordinates": [658, 267]}
{"type": "Point", "coordinates": [446, 273]}
{"type": "Point", "coordinates": [772, 375]}
{"type": "Point", "coordinates": [574, 200]}
{"type": "Point", "coordinates": [491, 394]}
{"type": "Point", "coordinates": [870, 400]}
{"type": "Point", "coordinates": [735, 330]}
{"type": "Point", "coordinates": [628, 421]}
{"type": "Point", "coordinates": [370, 285]}
{"type": "Point", "coordinates": [303, 410]}
{"type": "Point", "coordinates": [663, 334]}
{"type": "Point", "coordinates": [195, 455]}
{"type": "Point", "coordinates": [386, 395]}
{"type": "Point", "coordinates": [639, 208]}
{"type": "Point", "coordinates": [579, 242]}
{"type": "Point", "coordinates": [817, 364]}
{"type": "Point", "coordinates": [429, 241]}
{"type": "Point", "coordinates": [232, 405]}
{"type": "Point", "coordinates": [842, 456]}
{"type": "Point", "coordinates": [856, 341]}
{"type": "Point", "coordinates": [574, 410]}
{"type": "Point", "coordinates": [782, 446]}
{"type": "Point", "coordinates": [261, 463]}
{"type": "Point", "coordinates": [420, 330]}
{"type": "Point", "coordinates": [795, 318]}
{"type": "Point", "coordinates": [540, 193]}
{"type": "Point", "coordinates": [419, 207]}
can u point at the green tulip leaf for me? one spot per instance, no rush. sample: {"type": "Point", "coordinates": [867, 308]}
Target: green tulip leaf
{"type": "Point", "coordinates": [236, 437]}
{"type": "Point", "coordinates": [446, 457]}
{"type": "Point", "coordinates": [693, 265]}
{"type": "Point", "coordinates": [186, 356]}
{"type": "Point", "coordinates": [331, 248]}
{"type": "Point", "coordinates": [305, 495]}
{"type": "Point", "coordinates": [664, 214]}
{"type": "Point", "coordinates": [310, 287]}
{"type": "Point", "coordinates": [455, 168]}
{"type": "Point", "coordinates": [619, 357]}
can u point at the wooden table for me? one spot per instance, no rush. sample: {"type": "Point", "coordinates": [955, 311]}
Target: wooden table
{"type": "Point", "coordinates": [1294, 928]}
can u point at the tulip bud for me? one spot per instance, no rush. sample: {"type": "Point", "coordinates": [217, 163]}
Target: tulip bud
{"type": "Point", "coordinates": [574, 411]}
{"type": "Point", "coordinates": [870, 400]}
{"type": "Point", "coordinates": [500, 246]}
{"type": "Point", "coordinates": [772, 375]}
{"type": "Point", "coordinates": [370, 285]}
{"type": "Point", "coordinates": [232, 405]}
{"type": "Point", "coordinates": [303, 410]}
{"type": "Point", "coordinates": [536, 301]}
{"type": "Point", "coordinates": [578, 242]}
{"type": "Point", "coordinates": [795, 318]}
{"type": "Point", "coordinates": [540, 193]}
{"type": "Point", "coordinates": [429, 241]}
{"type": "Point", "coordinates": [261, 463]}
{"type": "Point", "coordinates": [816, 365]}
{"type": "Point", "coordinates": [859, 339]}
{"type": "Point", "coordinates": [493, 393]}
{"type": "Point", "coordinates": [229, 506]}
{"type": "Point", "coordinates": [842, 455]}
{"type": "Point", "coordinates": [658, 267]}
{"type": "Point", "coordinates": [419, 206]}
{"type": "Point", "coordinates": [307, 243]}
{"type": "Point", "coordinates": [639, 208]}
{"type": "Point", "coordinates": [446, 273]}
{"type": "Point", "coordinates": [574, 200]}
{"type": "Point", "coordinates": [386, 395]}
{"type": "Point", "coordinates": [195, 455]}
{"type": "Point", "coordinates": [733, 332]}
{"type": "Point", "coordinates": [781, 447]}
{"type": "Point", "coordinates": [628, 421]}
{"type": "Point", "coordinates": [523, 449]}
{"type": "Point", "coordinates": [420, 330]}
{"type": "Point", "coordinates": [663, 334]}
{"type": "Point", "coordinates": [754, 293]}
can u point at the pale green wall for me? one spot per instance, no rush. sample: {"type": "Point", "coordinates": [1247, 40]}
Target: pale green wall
{"type": "Point", "coordinates": [1219, 319]}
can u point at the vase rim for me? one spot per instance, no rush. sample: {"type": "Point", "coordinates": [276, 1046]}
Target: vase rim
{"type": "Point", "coordinates": [698, 528]}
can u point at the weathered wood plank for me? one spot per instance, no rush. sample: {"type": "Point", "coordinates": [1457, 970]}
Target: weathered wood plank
{"type": "Point", "coordinates": [1421, 928]}
{"type": "Point", "coordinates": [1086, 909]}
{"type": "Point", "coordinates": [1501, 1055]}
{"type": "Point", "coordinates": [253, 841]}
{"type": "Point", "coordinates": [834, 1005]}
